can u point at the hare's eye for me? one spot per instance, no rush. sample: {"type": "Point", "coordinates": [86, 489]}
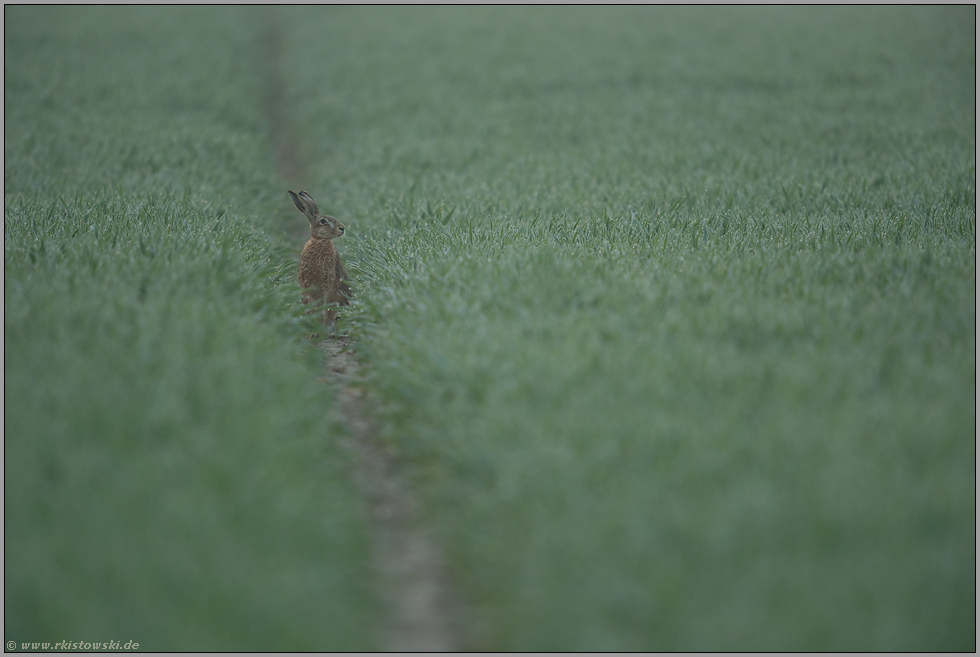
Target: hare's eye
{"type": "Point", "coordinates": [323, 222]}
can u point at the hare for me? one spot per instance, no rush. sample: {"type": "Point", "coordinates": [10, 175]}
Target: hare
{"type": "Point", "coordinates": [321, 274]}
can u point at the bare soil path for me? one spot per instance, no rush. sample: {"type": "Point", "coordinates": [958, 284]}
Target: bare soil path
{"type": "Point", "coordinates": [412, 578]}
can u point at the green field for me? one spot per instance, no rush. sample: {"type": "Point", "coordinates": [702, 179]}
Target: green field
{"type": "Point", "coordinates": [670, 314]}
{"type": "Point", "coordinates": [170, 470]}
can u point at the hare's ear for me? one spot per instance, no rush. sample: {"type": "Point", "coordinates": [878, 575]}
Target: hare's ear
{"type": "Point", "coordinates": [299, 203]}
{"type": "Point", "coordinates": [310, 203]}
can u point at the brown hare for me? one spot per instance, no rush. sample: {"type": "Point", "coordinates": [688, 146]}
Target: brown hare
{"type": "Point", "coordinates": [321, 274]}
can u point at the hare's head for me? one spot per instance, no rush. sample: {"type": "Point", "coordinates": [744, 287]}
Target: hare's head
{"type": "Point", "coordinates": [323, 226]}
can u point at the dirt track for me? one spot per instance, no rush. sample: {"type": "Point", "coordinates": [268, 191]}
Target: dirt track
{"type": "Point", "coordinates": [412, 579]}
{"type": "Point", "coordinates": [414, 584]}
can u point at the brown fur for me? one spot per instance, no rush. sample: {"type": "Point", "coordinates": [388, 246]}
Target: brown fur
{"type": "Point", "coordinates": [321, 273]}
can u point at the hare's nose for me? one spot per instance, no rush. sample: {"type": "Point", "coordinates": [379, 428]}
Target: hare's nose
{"type": "Point", "coordinates": [341, 229]}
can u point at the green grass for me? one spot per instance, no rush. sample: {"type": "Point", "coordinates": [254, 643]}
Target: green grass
{"type": "Point", "coordinates": [671, 311]}
{"type": "Point", "coordinates": [171, 471]}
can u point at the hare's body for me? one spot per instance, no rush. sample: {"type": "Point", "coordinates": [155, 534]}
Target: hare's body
{"type": "Point", "coordinates": [322, 276]}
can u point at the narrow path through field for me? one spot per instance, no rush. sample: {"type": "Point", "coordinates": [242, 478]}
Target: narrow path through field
{"type": "Point", "coordinates": [414, 584]}
{"type": "Point", "coordinates": [413, 580]}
